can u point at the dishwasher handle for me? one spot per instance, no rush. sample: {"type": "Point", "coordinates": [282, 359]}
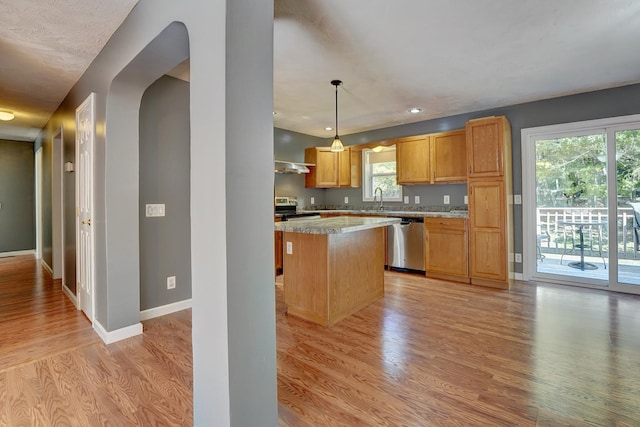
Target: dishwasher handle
{"type": "Point", "coordinates": [407, 221]}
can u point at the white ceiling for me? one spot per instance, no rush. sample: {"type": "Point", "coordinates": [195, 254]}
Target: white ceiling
{"type": "Point", "coordinates": [446, 57]}
{"type": "Point", "coordinates": [45, 46]}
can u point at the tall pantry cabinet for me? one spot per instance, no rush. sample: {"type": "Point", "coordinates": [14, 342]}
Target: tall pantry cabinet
{"type": "Point", "coordinates": [489, 182]}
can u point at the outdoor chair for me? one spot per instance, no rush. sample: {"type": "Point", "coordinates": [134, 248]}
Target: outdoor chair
{"type": "Point", "coordinates": [539, 239]}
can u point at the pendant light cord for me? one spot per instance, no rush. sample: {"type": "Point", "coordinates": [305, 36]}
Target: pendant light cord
{"type": "Point", "coordinates": [337, 110]}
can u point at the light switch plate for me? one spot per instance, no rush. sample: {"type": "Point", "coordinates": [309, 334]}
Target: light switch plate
{"type": "Point", "coordinates": [447, 199]}
{"type": "Point", "coordinates": [346, 199]}
{"type": "Point", "coordinates": [289, 248]}
{"type": "Point", "coordinates": [416, 200]}
{"type": "Point", "coordinates": [517, 199]}
{"type": "Point", "coordinates": [518, 257]}
{"type": "Point", "coordinates": [154, 210]}
{"type": "Point", "coordinates": [313, 200]}
{"type": "Point", "coordinates": [171, 282]}
{"type": "Point", "coordinates": [406, 200]}
{"type": "Point", "coordinates": [466, 200]}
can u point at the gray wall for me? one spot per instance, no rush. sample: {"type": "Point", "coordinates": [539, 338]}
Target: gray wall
{"type": "Point", "coordinates": [69, 211]}
{"type": "Point", "coordinates": [613, 102]}
{"type": "Point", "coordinates": [17, 183]}
{"type": "Point", "coordinates": [289, 146]}
{"type": "Point", "coordinates": [46, 202]}
{"type": "Point", "coordinates": [165, 243]}
{"type": "Point", "coordinates": [231, 179]}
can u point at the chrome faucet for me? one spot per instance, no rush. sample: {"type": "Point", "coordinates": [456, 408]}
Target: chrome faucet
{"type": "Point", "coordinates": [375, 194]}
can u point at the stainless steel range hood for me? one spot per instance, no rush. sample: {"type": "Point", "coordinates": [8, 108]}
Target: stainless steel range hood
{"type": "Point", "coordinates": [282, 166]}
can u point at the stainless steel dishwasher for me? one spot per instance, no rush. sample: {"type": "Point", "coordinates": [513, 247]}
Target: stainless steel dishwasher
{"type": "Point", "coordinates": [405, 244]}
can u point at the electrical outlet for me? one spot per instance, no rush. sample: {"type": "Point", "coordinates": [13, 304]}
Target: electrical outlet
{"type": "Point", "coordinates": [416, 200]}
{"type": "Point", "coordinates": [289, 248]}
{"type": "Point", "coordinates": [171, 282]}
{"type": "Point", "coordinates": [518, 257]}
{"type": "Point", "coordinates": [447, 199]}
{"type": "Point", "coordinates": [346, 199]}
{"type": "Point", "coordinates": [313, 200]}
{"type": "Point", "coordinates": [517, 199]}
{"type": "Point", "coordinates": [466, 200]}
{"type": "Point", "coordinates": [154, 209]}
{"type": "Point", "coordinates": [406, 200]}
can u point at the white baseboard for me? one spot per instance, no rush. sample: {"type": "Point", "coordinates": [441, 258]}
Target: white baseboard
{"type": "Point", "coordinates": [46, 267]}
{"type": "Point", "coordinates": [118, 334]}
{"type": "Point", "coordinates": [70, 295]}
{"type": "Point", "coordinates": [17, 253]}
{"type": "Point", "coordinates": [165, 309]}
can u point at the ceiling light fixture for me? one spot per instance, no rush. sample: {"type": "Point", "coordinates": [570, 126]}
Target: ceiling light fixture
{"type": "Point", "coordinates": [336, 145]}
{"type": "Point", "coordinates": [415, 110]}
{"type": "Point", "coordinates": [6, 115]}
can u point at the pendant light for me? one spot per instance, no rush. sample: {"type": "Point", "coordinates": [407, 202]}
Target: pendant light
{"type": "Point", "coordinates": [336, 145]}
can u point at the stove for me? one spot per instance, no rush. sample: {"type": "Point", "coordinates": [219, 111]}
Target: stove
{"type": "Point", "coordinates": [286, 208]}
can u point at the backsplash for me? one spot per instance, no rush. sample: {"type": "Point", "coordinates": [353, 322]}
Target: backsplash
{"type": "Point", "coordinates": [394, 207]}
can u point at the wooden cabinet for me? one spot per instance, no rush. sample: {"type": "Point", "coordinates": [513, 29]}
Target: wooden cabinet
{"type": "Point", "coordinates": [485, 147]}
{"type": "Point", "coordinates": [488, 245]}
{"type": "Point", "coordinates": [356, 168]}
{"type": "Point", "coordinates": [447, 249]}
{"type": "Point", "coordinates": [449, 156]}
{"type": "Point", "coordinates": [278, 250]}
{"type": "Point", "coordinates": [490, 191]}
{"type": "Point", "coordinates": [413, 160]}
{"type": "Point", "coordinates": [434, 158]}
{"type": "Point", "coordinates": [331, 169]}
{"type": "Point", "coordinates": [325, 172]}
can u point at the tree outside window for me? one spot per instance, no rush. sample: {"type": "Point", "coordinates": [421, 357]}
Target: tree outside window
{"type": "Point", "coordinates": [379, 170]}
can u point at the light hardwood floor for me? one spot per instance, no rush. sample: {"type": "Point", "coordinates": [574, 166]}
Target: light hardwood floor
{"type": "Point", "coordinates": [428, 353]}
{"type": "Point", "coordinates": [55, 370]}
{"type": "Point", "coordinates": [443, 354]}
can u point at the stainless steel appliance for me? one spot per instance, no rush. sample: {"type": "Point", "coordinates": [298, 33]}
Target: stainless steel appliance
{"type": "Point", "coordinates": [286, 208]}
{"type": "Point", "coordinates": [405, 244]}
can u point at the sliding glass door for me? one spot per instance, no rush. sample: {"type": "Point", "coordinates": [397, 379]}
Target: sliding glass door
{"type": "Point", "coordinates": [581, 195]}
{"type": "Point", "coordinates": [627, 158]}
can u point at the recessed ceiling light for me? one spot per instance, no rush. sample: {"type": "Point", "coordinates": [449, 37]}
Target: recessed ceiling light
{"type": "Point", "coordinates": [6, 115]}
{"type": "Point", "coordinates": [328, 128]}
{"type": "Point", "coordinates": [415, 110]}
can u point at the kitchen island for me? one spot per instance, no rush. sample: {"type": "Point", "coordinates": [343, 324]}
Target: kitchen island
{"type": "Point", "coordinates": [333, 267]}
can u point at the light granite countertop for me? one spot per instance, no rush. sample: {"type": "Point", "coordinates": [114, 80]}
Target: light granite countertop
{"type": "Point", "coordinates": [395, 213]}
{"type": "Point", "coordinates": [334, 225]}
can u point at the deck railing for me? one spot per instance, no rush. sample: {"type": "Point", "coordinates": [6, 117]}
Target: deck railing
{"type": "Point", "coordinates": [555, 237]}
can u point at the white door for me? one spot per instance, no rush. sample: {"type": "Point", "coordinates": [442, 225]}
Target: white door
{"type": "Point", "coordinates": [85, 134]}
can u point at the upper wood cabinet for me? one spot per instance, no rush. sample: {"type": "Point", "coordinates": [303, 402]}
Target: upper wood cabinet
{"type": "Point", "coordinates": [331, 169]}
{"type": "Point", "coordinates": [433, 158]}
{"type": "Point", "coordinates": [485, 147]}
{"type": "Point", "coordinates": [449, 156]}
{"type": "Point", "coordinates": [413, 160]}
{"type": "Point", "coordinates": [356, 168]}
